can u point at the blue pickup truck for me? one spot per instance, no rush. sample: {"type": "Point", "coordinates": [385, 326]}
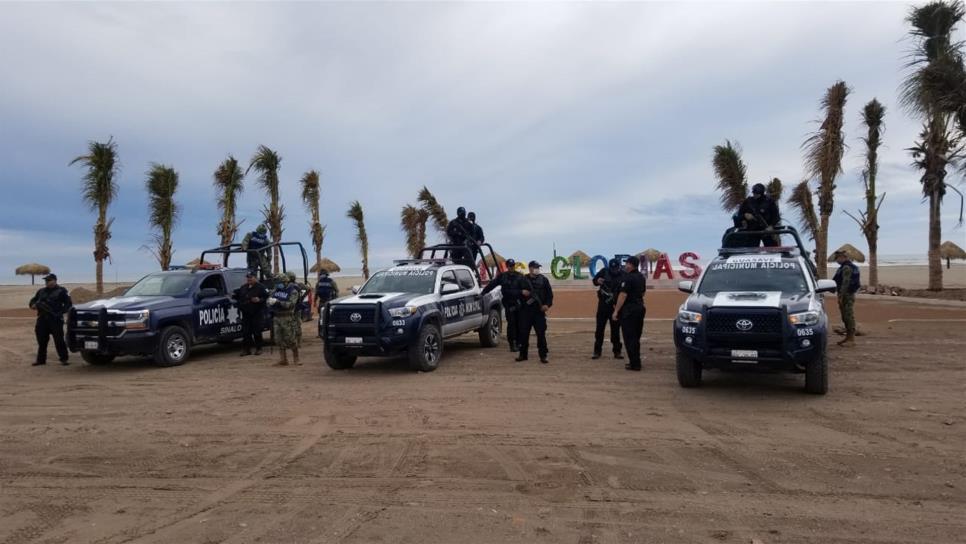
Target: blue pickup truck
{"type": "Point", "coordinates": [167, 313]}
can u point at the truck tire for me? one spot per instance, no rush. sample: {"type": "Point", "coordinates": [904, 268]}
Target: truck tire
{"type": "Point", "coordinates": [338, 360]}
{"type": "Point", "coordinates": [427, 350]}
{"type": "Point", "coordinates": [491, 329]}
{"type": "Point", "coordinates": [816, 375]}
{"type": "Point", "coordinates": [174, 346]}
{"type": "Point", "coordinates": [94, 358]}
{"type": "Point", "coordinates": [689, 370]}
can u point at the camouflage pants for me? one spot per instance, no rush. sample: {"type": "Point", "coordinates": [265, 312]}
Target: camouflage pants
{"type": "Point", "coordinates": [260, 263]}
{"type": "Point", "coordinates": [288, 330]}
{"type": "Point", "coordinates": [847, 308]}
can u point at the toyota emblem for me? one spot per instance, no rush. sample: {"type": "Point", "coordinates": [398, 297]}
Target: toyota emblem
{"type": "Point", "coordinates": [355, 317]}
{"type": "Point", "coordinates": [744, 324]}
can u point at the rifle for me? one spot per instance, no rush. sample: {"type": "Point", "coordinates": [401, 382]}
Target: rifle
{"type": "Point", "coordinates": [761, 220]}
{"type": "Point", "coordinates": [534, 297]}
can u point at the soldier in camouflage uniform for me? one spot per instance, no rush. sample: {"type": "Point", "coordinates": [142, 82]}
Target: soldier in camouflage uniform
{"type": "Point", "coordinates": [285, 321]}
{"type": "Point", "coordinates": [847, 281]}
{"type": "Point", "coordinates": [261, 261]}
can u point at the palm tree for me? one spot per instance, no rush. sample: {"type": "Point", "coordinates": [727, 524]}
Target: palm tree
{"type": "Point", "coordinates": [267, 162]}
{"type": "Point", "coordinates": [409, 221]}
{"type": "Point", "coordinates": [161, 184]}
{"type": "Point", "coordinates": [433, 209]}
{"type": "Point", "coordinates": [310, 197]}
{"type": "Point", "coordinates": [936, 61]}
{"type": "Point", "coordinates": [228, 183]}
{"type": "Point", "coordinates": [732, 175]}
{"type": "Point", "coordinates": [98, 191]}
{"type": "Point", "coordinates": [801, 199]}
{"type": "Point", "coordinates": [872, 117]}
{"type": "Point", "coordinates": [823, 160]}
{"type": "Point", "coordinates": [775, 189]}
{"type": "Point", "coordinates": [355, 213]}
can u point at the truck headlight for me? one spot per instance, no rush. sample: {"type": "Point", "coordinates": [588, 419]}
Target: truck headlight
{"type": "Point", "coordinates": [137, 320]}
{"type": "Point", "coordinates": [685, 316]}
{"type": "Point", "coordinates": [808, 318]}
{"type": "Point", "coordinates": [405, 311]}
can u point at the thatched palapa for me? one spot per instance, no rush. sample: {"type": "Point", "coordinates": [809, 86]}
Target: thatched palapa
{"type": "Point", "coordinates": [851, 252]}
{"type": "Point", "coordinates": [584, 258]}
{"type": "Point", "coordinates": [33, 270]}
{"type": "Point", "coordinates": [949, 251]}
{"type": "Point", "coordinates": [326, 264]}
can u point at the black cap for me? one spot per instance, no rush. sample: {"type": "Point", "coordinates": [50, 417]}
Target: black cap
{"type": "Point", "coordinates": [633, 261]}
{"type": "Point", "coordinates": [471, 215]}
{"type": "Point", "coordinates": [251, 274]}
{"type": "Point", "coordinates": [510, 263]}
{"type": "Point", "coordinates": [49, 277]}
{"type": "Point", "coordinates": [614, 263]}
{"type": "Point", "coordinates": [758, 189]}
{"type": "Point", "coordinates": [534, 264]}
{"type": "Point", "coordinates": [461, 212]}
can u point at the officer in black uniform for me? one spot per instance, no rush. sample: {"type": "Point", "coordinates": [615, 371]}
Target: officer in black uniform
{"type": "Point", "coordinates": [251, 299]}
{"type": "Point", "coordinates": [630, 310]}
{"type": "Point", "coordinates": [325, 290]}
{"type": "Point", "coordinates": [608, 282]}
{"type": "Point", "coordinates": [511, 283]}
{"type": "Point", "coordinates": [477, 231]}
{"type": "Point", "coordinates": [537, 297]}
{"type": "Point", "coordinates": [51, 303]}
{"type": "Point", "coordinates": [757, 213]}
{"type": "Point", "coordinates": [460, 233]}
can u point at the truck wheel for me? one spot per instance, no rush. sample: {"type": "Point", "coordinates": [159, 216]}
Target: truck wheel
{"type": "Point", "coordinates": [174, 345]}
{"type": "Point", "coordinates": [94, 358]}
{"type": "Point", "coordinates": [338, 360]}
{"type": "Point", "coordinates": [490, 331]}
{"type": "Point", "coordinates": [427, 350]}
{"type": "Point", "coordinates": [816, 375]}
{"type": "Point", "coordinates": [689, 370]}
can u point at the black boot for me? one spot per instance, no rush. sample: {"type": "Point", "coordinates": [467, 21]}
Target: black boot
{"type": "Point", "coordinates": [595, 356]}
{"type": "Point", "coordinates": [521, 358]}
{"type": "Point", "coordinates": [617, 355]}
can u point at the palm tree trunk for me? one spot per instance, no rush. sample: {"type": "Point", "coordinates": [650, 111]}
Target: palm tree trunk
{"type": "Point", "coordinates": [873, 262]}
{"type": "Point", "coordinates": [821, 247]}
{"type": "Point", "coordinates": [935, 236]}
{"type": "Point", "coordinates": [98, 243]}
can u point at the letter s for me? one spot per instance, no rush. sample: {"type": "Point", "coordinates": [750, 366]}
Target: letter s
{"type": "Point", "coordinates": [691, 269]}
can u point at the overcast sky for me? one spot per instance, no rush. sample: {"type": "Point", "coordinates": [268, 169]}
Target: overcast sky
{"type": "Point", "coordinates": [586, 125]}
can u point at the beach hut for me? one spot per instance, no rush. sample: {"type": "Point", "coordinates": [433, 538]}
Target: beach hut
{"type": "Point", "coordinates": [584, 258]}
{"type": "Point", "coordinates": [652, 255]}
{"type": "Point", "coordinates": [33, 270]}
{"type": "Point", "coordinates": [851, 251]}
{"type": "Point", "coordinates": [950, 251]}
{"type": "Point", "coordinates": [326, 264]}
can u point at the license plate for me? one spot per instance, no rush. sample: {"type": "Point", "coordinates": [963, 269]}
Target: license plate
{"type": "Point", "coordinates": [90, 344]}
{"type": "Point", "coordinates": [351, 340]}
{"type": "Point", "coordinates": [744, 353]}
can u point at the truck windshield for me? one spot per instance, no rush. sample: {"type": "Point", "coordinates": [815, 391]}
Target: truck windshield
{"type": "Point", "coordinates": [167, 285]}
{"type": "Point", "coordinates": [401, 281]}
{"type": "Point", "coordinates": [753, 274]}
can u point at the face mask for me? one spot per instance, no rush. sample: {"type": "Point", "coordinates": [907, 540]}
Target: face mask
{"type": "Point", "coordinates": [280, 286]}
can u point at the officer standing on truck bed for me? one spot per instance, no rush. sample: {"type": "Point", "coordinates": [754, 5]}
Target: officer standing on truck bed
{"type": "Point", "coordinates": [537, 298]}
{"type": "Point", "coordinates": [459, 231]}
{"type": "Point", "coordinates": [256, 242]}
{"type": "Point", "coordinates": [630, 311]}
{"type": "Point", "coordinates": [759, 213]}
{"type": "Point", "coordinates": [847, 282]}
{"type": "Point", "coordinates": [608, 282]}
{"type": "Point", "coordinates": [251, 299]}
{"type": "Point", "coordinates": [511, 282]}
{"type": "Point", "coordinates": [51, 303]}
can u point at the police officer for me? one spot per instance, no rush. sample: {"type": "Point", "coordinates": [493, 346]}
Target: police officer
{"type": "Point", "coordinates": [630, 311]}
{"type": "Point", "coordinates": [537, 297]}
{"type": "Point", "coordinates": [325, 289]}
{"type": "Point", "coordinates": [608, 282]}
{"type": "Point", "coordinates": [758, 213]}
{"type": "Point", "coordinates": [257, 241]}
{"type": "Point", "coordinates": [251, 299]}
{"type": "Point", "coordinates": [847, 283]}
{"type": "Point", "coordinates": [511, 283]}
{"type": "Point", "coordinates": [51, 303]}
{"type": "Point", "coordinates": [460, 233]}
{"type": "Point", "coordinates": [285, 322]}
{"type": "Point", "coordinates": [477, 230]}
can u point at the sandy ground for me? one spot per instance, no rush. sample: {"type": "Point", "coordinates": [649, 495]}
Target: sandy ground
{"type": "Point", "coordinates": [232, 450]}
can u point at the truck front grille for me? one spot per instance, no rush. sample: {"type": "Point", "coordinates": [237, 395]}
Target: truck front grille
{"type": "Point", "coordinates": [744, 321]}
{"type": "Point", "coordinates": [344, 316]}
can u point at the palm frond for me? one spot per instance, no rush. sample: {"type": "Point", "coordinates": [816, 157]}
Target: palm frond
{"type": "Point", "coordinates": [801, 200]}
{"type": "Point", "coordinates": [409, 221]}
{"type": "Point", "coordinates": [732, 178]}
{"type": "Point", "coordinates": [161, 184]}
{"type": "Point", "coordinates": [355, 213]}
{"type": "Point", "coordinates": [266, 163]}
{"type": "Point", "coordinates": [825, 148]}
{"type": "Point", "coordinates": [310, 190]}
{"type": "Point", "coordinates": [935, 61]}
{"type": "Point", "coordinates": [433, 209]}
{"type": "Point", "coordinates": [228, 183]}
{"type": "Point", "coordinates": [775, 189]}
{"type": "Point", "coordinates": [99, 188]}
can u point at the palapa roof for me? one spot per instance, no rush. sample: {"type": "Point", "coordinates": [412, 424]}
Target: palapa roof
{"type": "Point", "coordinates": [584, 258]}
{"type": "Point", "coordinates": [651, 254]}
{"type": "Point", "coordinates": [198, 262]}
{"type": "Point", "coordinates": [950, 250]}
{"type": "Point", "coordinates": [326, 264]}
{"type": "Point", "coordinates": [499, 259]}
{"type": "Point", "coordinates": [851, 251]}
{"type": "Point", "coordinates": [34, 269]}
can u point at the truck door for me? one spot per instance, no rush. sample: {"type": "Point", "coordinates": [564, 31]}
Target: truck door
{"type": "Point", "coordinates": [471, 311]}
{"type": "Point", "coordinates": [450, 303]}
{"type": "Point", "coordinates": [212, 312]}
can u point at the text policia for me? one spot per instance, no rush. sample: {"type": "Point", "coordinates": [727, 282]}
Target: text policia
{"type": "Point", "coordinates": [562, 268]}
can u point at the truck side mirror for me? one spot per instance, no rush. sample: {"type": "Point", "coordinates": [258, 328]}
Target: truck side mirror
{"type": "Point", "coordinates": [686, 286]}
{"type": "Point", "coordinates": [449, 288]}
{"type": "Point", "coordinates": [355, 289]}
{"type": "Point", "coordinates": [825, 286]}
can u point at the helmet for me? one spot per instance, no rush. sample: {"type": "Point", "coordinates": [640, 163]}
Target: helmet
{"type": "Point", "coordinates": [461, 212]}
{"type": "Point", "coordinates": [290, 276]}
{"type": "Point", "coordinates": [614, 263]}
{"type": "Point", "coordinates": [471, 216]}
{"type": "Point", "coordinates": [262, 229]}
{"type": "Point", "coordinates": [758, 189]}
